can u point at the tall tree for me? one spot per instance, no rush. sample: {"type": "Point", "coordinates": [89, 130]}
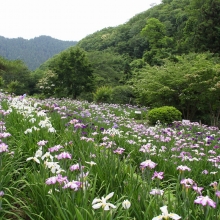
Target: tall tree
{"type": "Point", "coordinates": [73, 71]}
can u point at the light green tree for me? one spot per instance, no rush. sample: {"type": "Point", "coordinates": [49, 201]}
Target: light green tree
{"type": "Point", "coordinates": [155, 31]}
{"type": "Point", "coordinates": [47, 83]}
{"type": "Point", "coordinates": [160, 44]}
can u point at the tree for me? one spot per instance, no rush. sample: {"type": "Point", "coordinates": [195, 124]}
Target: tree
{"type": "Point", "coordinates": [15, 87]}
{"type": "Point", "coordinates": [155, 31]}
{"type": "Point", "coordinates": [47, 83]}
{"type": "Point", "coordinates": [108, 68]}
{"type": "Point", "coordinates": [202, 30]}
{"type": "Point", "coordinates": [73, 71]}
{"type": "Point", "coordinates": [15, 75]}
{"type": "Point", "coordinates": [160, 44]}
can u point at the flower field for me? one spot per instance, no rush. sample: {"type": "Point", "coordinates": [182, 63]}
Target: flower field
{"type": "Point", "coordinates": [67, 159]}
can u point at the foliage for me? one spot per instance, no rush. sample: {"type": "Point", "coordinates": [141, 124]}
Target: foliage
{"type": "Point", "coordinates": [14, 87]}
{"type": "Point", "coordinates": [103, 94]}
{"type": "Point", "coordinates": [170, 28]}
{"type": "Point", "coordinates": [35, 77]}
{"type": "Point", "coordinates": [73, 73]}
{"type": "Point", "coordinates": [86, 96]}
{"type": "Point", "coordinates": [1, 81]}
{"type": "Point", "coordinates": [46, 84]}
{"type": "Point", "coordinates": [202, 28]}
{"type": "Point", "coordinates": [190, 84]}
{"type": "Point", "coordinates": [155, 31]}
{"type": "Point", "coordinates": [123, 95]}
{"type": "Point", "coordinates": [15, 76]}
{"type": "Point", "coordinates": [128, 38]}
{"type": "Point", "coordinates": [123, 39]}
{"type": "Point", "coordinates": [108, 68]}
{"type": "Point", "coordinates": [164, 114]}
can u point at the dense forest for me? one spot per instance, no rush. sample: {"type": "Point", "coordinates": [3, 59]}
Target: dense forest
{"type": "Point", "coordinates": [33, 52]}
{"type": "Point", "coordinates": [167, 55]}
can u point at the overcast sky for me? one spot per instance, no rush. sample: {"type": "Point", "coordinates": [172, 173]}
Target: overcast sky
{"type": "Point", "coordinates": [65, 19]}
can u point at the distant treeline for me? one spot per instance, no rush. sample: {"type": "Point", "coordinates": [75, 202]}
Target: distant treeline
{"type": "Point", "coordinates": [33, 52]}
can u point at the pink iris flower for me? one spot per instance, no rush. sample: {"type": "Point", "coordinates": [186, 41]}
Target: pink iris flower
{"type": "Point", "coordinates": [148, 163]}
{"type": "Point", "coordinates": [64, 155]}
{"type": "Point", "coordinates": [158, 175]}
{"type": "Point", "coordinates": [204, 201]}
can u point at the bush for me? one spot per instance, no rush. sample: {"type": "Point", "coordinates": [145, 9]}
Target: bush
{"type": "Point", "coordinates": [123, 95]}
{"type": "Point", "coordinates": [85, 96]}
{"type": "Point", "coordinates": [103, 94]}
{"type": "Point", "coordinates": [165, 114]}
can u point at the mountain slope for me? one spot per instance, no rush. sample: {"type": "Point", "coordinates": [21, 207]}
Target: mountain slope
{"type": "Point", "coordinates": [33, 52]}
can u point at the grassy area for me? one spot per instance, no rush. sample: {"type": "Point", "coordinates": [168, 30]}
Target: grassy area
{"type": "Point", "coordinates": [67, 159]}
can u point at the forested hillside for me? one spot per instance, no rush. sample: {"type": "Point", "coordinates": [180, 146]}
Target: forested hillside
{"type": "Point", "coordinates": [172, 27]}
{"type": "Point", "coordinates": [33, 52]}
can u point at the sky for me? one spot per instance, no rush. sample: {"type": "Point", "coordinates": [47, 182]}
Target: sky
{"type": "Point", "coordinates": [69, 20]}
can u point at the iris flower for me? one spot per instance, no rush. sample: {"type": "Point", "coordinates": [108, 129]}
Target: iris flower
{"type": "Point", "coordinates": [64, 155]}
{"type": "Point", "coordinates": [205, 200]}
{"type": "Point", "coordinates": [91, 163]}
{"type": "Point", "coordinates": [183, 168]}
{"type": "Point", "coordinates": [156, 192]}
{"type": "Point", "coordinates": [119, 150]}
{"type": "Point", "coordinates": [75, 167]}
{"type": "Point", "coordinates": [158, 175]}
{"type": "Point", "coordinates": [126, 204]}
{"type": "Point", "coordinates": [2, 193]}
{"type": "Point", "coordinates": [217, 193]}
{"type": "Point", "coordinates": [42, 143]}
{"type": "Point", "coordinates": [36, 156]}
{"type": "Point", "coordinates": [98, 203]}
{"type": "Point", "coordinates": [166, 215]}
{"type": "Point", "coordinates": [148, 163]}
{"type": "Point", "coordinates": [75, 185]}
{"type": "Point", "coordinates": [187, 183]}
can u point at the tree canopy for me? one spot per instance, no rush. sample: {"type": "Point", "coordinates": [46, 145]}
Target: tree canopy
{"type": "Point", "coordinates": [72, 73]}
{"type": "Point", "coordinates": [15, 76]}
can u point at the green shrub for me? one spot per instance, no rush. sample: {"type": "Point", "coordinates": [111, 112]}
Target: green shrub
{"type": "Point", "coordinates": [103, 94]}
{"type": "Point", "coordinates": [40, 96]}
{"type": "Point", "coordinates": [88, 96]}
{"type": "Point", "coordinates": [123, 95]}
{"type": "Point", "coordinates": [165, 114]}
